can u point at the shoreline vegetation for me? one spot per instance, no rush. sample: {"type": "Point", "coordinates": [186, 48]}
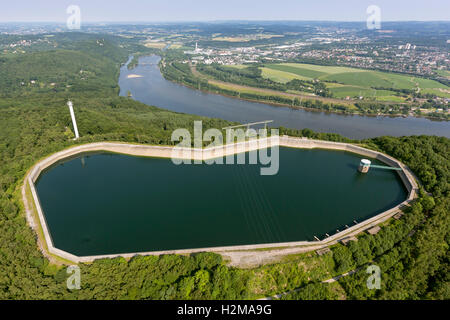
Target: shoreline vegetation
{"type": "Point", "coordinates": [189, 76]}
{"type": "Point", "coordinates": [412, 251]}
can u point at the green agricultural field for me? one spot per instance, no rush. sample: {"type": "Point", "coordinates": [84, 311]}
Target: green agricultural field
{"type": "Point", "coordinates": [355, 81]}
{"type": "Point", "coordinates": [444, 73]}
{"type": "Point", "coordinates": [321, 69]}
{"type": "Point", "coordinates": [241, 90]}
{"type": "Point", "coordinates": [238, 66]}
{"type": "Point", "coordinates": [369, 79]}
{"type": "Point", "coordinates": [430, 84]}
{"type": "Point", "coordinates": [280, 76]}
{"type": "Point", "coordinates": [343, 91]}
{"type": "Point", "coordinates": [438, 92]}
{"type": "Point", "coordinates": [303, 73]}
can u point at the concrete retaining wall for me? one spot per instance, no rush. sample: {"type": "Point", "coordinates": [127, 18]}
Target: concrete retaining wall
{"type": "Point", "coordinates": [205, 154]}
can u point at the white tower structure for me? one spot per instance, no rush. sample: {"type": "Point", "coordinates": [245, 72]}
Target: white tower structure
{"type": "Point", "coordinates": [74, 121]}
{"type": "Point", "coordinates": [364, 165]}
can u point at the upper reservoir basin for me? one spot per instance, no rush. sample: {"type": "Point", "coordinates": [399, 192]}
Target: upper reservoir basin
{"type": "Point", "coordinates": [105, 203]}
{"type": "Point", "coordinates": [151, 88]}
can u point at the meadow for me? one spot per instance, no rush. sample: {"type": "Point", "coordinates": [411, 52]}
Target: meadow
{"type": "Point", "coordinates": [352, 82]}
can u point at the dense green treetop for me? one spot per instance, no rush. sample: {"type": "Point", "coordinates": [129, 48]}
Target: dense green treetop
{"type": "Point", "coordinates": [34, 123]}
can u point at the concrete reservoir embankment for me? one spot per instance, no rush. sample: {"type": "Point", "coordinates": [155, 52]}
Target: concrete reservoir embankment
{"type": "Point", "coordinates": [205, 154]}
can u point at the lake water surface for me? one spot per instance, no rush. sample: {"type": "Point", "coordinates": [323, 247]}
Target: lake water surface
{"type": "Point", "coordinates": [109, 203]}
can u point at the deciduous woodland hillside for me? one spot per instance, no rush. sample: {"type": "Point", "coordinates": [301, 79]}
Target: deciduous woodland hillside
{"type": "Point", "coordinates": [34, 122]}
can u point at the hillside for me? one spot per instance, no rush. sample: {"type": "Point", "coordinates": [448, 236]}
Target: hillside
{"type": "Point", "coordinates": [34, 123]}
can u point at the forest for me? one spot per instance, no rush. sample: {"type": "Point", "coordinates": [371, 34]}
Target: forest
{"type": "Point", "coordinates": [412, 252]}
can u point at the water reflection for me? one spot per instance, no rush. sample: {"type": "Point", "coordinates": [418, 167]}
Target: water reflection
{"type": "Point", "coordinates": [153, 89]}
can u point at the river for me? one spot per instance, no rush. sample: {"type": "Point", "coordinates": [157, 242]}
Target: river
{"type": "Point", "coordinates": [152, 89]}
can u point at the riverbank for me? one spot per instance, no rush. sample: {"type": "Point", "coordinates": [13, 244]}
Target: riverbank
{"type": "Point", "coordinates": [154, 89]}
{"type": "Point", "coordinates": [236, 254]}
{"type": "Point", "coordinates": [207, 84]}
{"type": "Point", "coordinates": [294, 107]}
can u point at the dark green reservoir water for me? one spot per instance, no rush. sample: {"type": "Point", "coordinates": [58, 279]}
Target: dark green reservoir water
{"type": "Point", "coordinates": [108, 203]}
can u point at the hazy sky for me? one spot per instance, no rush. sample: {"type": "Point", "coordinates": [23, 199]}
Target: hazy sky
{"type": "Point", "coordinates": [203, 10]}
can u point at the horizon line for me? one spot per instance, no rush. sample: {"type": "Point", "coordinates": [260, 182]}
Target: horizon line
{"type": "Point", "coordinates": [209, 21]}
